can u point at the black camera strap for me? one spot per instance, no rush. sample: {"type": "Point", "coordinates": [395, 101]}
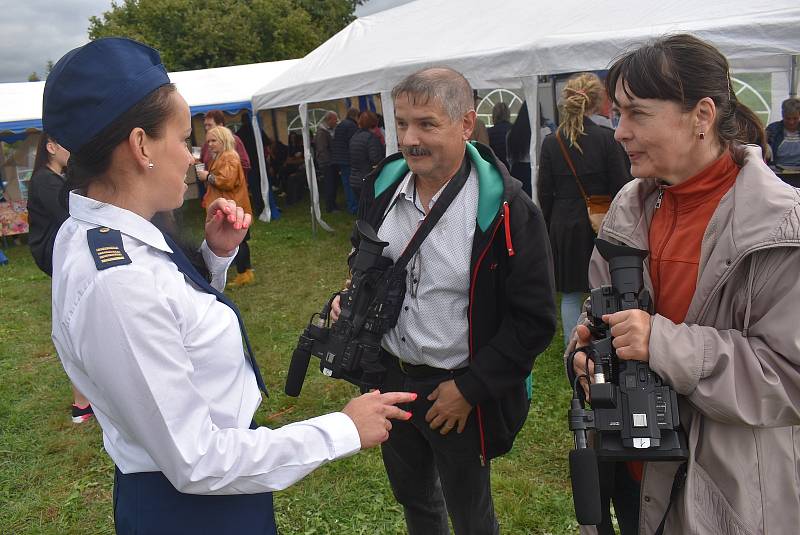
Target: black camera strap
{"type": "Point", "coordinates": [439, 207]}
{"type": "Point", "coordinates": [677, 486]}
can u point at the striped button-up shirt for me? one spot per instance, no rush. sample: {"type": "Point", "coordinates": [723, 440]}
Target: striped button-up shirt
{"type": "Point", "coordinates": [433, 327]}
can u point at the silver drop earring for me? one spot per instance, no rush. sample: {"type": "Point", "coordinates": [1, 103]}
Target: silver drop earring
{"type": "Point", "coordinates": [150, 165]}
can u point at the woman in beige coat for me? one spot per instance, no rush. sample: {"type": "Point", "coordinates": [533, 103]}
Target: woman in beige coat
{"type": "Point", "coordinates": [723, 234]}
{"type": "Point", "coordinates": [226, 179]}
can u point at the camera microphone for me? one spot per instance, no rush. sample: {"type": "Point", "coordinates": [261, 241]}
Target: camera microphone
{"type": "Point", "coordinates": [297, 371]}
{"type": "Point", "coordinates": [585, 486]}
{"type": "Point", "coordinates": [583, 467]}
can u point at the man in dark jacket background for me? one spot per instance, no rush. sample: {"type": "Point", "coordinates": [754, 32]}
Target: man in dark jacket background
{"type": "Point", "coordinates": [479, 306]}
{"type": "Point", "coordinates": [340, 154]}
{"type": "Point", "coordinates": [323, 140]}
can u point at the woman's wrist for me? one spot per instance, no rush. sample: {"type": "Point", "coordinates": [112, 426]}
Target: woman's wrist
{"type": "Point", "coordinates": [221, 253]}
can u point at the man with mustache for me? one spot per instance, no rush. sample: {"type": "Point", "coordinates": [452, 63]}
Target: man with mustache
{"type": "Point", "coordinates": [479, 305]}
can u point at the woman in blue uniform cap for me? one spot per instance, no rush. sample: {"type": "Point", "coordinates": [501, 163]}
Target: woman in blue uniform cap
{"type": "Point", "coordinates": [141, 325]}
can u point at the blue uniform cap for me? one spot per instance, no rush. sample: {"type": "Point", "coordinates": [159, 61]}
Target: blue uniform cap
{"type": "Point", "coordinates": [94, 84]}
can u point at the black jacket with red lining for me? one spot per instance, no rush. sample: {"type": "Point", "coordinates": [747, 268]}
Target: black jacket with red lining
{"type": "Point", "coordinates": [512, 313]}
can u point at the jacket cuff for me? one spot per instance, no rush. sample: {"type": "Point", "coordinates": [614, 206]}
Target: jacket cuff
{"type": "Point", "coordinates": [472, 388]}
{"type": "Point", "coordinates": [683, 368]}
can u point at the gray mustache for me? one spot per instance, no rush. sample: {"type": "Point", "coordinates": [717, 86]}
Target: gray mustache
{"type": "Point", "coordinates": [415, 151]}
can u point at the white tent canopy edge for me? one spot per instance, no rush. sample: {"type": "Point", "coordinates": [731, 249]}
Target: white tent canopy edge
{"type": "Point", "coordinates": [373, 53]}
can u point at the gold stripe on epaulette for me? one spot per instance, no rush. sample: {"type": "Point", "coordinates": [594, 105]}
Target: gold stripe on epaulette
{"type": "Point", "coordinates": [111, 256]}
{"type": "Point", "coordinates": [101, 253]}
{"type": "Point", "coordinates": [110, 248]}
{"type": "Point", "coordinates": [112, 259]}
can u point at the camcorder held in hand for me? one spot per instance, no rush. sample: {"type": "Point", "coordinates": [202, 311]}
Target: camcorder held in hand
{"type": "Point", "coordinates": [634, 414]}
{"type": "Point", "coordinates": [350, 348]}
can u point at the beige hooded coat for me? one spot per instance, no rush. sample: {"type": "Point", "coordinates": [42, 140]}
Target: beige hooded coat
{"type": "Point", "coordinates": [735, 361]}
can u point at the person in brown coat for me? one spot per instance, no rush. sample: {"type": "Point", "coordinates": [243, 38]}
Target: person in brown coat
{"type": "Point", "coordinates": [225, 178]}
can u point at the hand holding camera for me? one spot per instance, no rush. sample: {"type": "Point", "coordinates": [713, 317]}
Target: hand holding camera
{"type": "Point", "coordinates": [630, 330]}
{"type": "Point", "coordinates": [634, 415]}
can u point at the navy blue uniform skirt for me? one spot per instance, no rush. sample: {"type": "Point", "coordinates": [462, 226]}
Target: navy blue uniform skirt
{"type": "Point", "coordinates": [146, 503]}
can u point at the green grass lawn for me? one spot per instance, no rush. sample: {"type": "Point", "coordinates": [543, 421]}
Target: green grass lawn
{"type": "Point", "coordinates": [55, 477]}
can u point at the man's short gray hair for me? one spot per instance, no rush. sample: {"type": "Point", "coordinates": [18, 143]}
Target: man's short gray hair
{"type": "Point", "coordinates": [442, 85]}
{"type": "Point", "coordinates": [790, 106]}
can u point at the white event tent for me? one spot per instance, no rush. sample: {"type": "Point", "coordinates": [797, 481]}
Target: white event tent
{"type": "Point", "coordinates": [224, 88]}
{"type": "Point", "coordinates": [509, 44]}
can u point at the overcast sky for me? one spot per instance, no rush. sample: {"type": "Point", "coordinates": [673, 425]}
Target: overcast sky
{"type": "Point", "coordinates": [35, 31]}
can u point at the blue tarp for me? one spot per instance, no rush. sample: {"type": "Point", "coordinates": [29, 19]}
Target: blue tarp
{"type": "Point", "coordinates": [16, 130]}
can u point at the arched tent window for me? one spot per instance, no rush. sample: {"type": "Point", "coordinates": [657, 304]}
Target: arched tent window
{"type": "Point", "coordinates": [315, 116]}
{"type": "Point", "coordinates": [750, 89]}
{"type": "Point", "coordinates": [486, 104]}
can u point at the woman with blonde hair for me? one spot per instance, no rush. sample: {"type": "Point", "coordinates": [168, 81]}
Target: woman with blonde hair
{"type": "Point", "coordinates": [600, 168]}
{"type": "Point", "coordinates": [226, 178]}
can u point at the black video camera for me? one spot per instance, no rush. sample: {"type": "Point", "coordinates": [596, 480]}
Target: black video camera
{"type": "Point", "coordinates": [634, 414]}
{"type": "Point", "coordinates": [350, 348]}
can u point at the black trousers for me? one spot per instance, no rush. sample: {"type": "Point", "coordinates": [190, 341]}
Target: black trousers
{"type": "Point", "coordinates": [433, 475]}
{"type": "Point", "coordinates": [254, 187]}
{"type": "Point", "coordinates": [617, 486]}
{"type": "Point", "coordinates": [242, 259]}
{"type": "Point", "coordinates": [330, 181]}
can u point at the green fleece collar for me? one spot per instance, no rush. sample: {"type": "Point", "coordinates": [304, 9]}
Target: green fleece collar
{"type": "Point", "coordinates": [490, 184]}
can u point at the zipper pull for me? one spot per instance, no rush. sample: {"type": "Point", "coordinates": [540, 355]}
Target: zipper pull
{"type": "Point", "coordinates": [660, 196]}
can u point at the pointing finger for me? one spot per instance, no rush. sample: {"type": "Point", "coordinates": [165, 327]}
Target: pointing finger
{"type": "Point", "coordinates": [393, 398]}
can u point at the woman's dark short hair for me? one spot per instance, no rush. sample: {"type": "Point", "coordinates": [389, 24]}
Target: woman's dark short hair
{"type": "Point", "coordinates": [682, 69]}
{"type": "Point", "coordinates": [216, 116]}
{"type": "Point", "coordinates": [367, 120]}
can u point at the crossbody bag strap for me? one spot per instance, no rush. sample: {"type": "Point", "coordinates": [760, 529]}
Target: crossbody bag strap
{"type": "Point", "coordinates": [442, 203]}
{"type": "Point", "coordinates": [571, 166]}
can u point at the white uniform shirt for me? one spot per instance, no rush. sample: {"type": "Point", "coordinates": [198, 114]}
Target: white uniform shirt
{"type": "Point", "coordinates": [433, 327]}
{"type": "Point", "coordinates": [165, 370]}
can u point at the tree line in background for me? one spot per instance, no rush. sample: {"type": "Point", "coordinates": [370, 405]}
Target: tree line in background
{"type": "Point", "coordinates": [201, 34]}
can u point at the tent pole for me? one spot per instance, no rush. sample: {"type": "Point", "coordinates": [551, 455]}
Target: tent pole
{"type": "Point", "coordinates": [530, 87]}
{"type": "Point", "coordinates": [388, 120]}
{"type": "Point", "coordinates": [793, 74]}
{"type": "Point", "coordinates": [313, 223]}
{"type": "Point", "coordinates": [266, 215]}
